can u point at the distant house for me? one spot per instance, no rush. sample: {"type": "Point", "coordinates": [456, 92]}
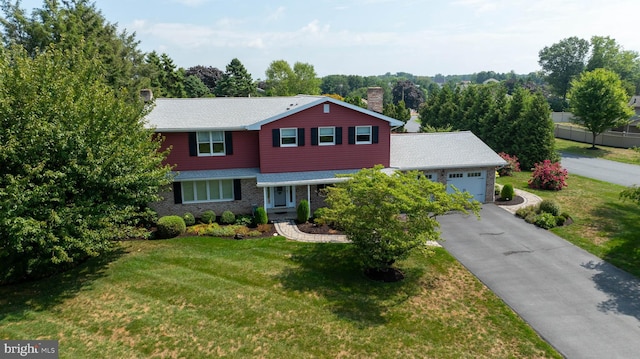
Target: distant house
{"type": "Point", "coordinates": [239, 153]}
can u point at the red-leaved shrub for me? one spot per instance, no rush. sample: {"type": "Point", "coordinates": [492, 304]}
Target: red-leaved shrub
{"type": "Point", "coordinates": [512, 165]}
{"type": "Point", "coordinates": [548, 175]}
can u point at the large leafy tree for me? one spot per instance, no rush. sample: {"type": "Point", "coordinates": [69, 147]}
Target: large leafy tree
{"type": "Point", "coordinates": [562, 62]}
{"type": "Point", "coordinates": [236, 81]}
{"type": "Point", "coordinates": [282, 80]}
{"type": "Point", "coordinates": [76, 24]}
{"type": "Point", "coordinates": [606, 53]}
{"type": "Point", "coordinates": [408, 92]}
{"type": "Point", "coordinates": [78, 166]}
{"type": "Point", "coordinates": [387, 216]}
{"type": "Point", "coordinates": [207, 74]}
{"type": "Point", "coordinates": [599, 102]}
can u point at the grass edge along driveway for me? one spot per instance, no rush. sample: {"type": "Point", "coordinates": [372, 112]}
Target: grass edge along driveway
{"type": "Point", "coordinates": [272, 298]}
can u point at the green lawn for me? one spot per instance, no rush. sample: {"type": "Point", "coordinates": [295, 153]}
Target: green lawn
{"type": "Point", "coordinates": [202, 297]}
{"type": "Point", "coordinates": [603, 224]}
{"type": "Point", "coordinates": [608, 153]}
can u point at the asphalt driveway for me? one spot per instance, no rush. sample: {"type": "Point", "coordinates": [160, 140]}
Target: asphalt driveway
{"type": "Point", "coordinates": [609, 171]}
{"type": "Point", "coordinates": [583, 306]}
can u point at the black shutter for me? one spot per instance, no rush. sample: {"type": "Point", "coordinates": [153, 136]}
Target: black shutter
{"type": "Point", "coordinates": [275, 133]}
{"type": "Point", "coordinates": [375, 134]}
{"type": "Point", "coordinates": [314, 136]}
{"type": "Point", "coordinates": [228, 143]}
{"type": "Point", "coordinates": [177, 192]}
{"type": "Point", "coordinates": [338, 135]}
{"type": "Point", "coordinates": [301, 137]}
{"type": "Point", "coordinates": [352, 135]}
{"type": "Point", "coordinates": [237, 190]}
{"type": "Point", "coordinates": [193, 144]}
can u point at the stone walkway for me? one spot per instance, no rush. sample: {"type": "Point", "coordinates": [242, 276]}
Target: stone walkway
{"type": "Point", "coordinates": [288, 228]}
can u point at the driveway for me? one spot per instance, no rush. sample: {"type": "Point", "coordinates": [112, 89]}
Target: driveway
{"type": "Point", "coordinates": [609, 171]}
{"type": "Point", "coordinates": [583, 306]}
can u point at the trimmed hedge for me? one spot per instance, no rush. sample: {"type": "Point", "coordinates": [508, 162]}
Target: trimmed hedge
{"type": "Point", "coordinates": [208, 217]}
{"type": "Point", "coordinates": [303, 211]}
{"type": "Point", "coordinates": [227, 217]}
{"type": "Point", "coordinates": [507, 192]}
{"type": "Point", "coordinates": [189, 219]}
{"type": "Point", "coordinates": [170, 227]}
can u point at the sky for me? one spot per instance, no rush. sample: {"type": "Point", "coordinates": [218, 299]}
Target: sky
{"type": "Point", "coordinates": [368, 37]}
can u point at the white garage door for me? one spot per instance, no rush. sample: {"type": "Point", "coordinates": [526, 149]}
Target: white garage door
{"type": "Point", "coordinates": [474, 182]}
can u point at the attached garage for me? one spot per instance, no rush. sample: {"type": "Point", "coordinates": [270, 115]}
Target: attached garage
{"type": "Point", "coordinates": [474, 182]}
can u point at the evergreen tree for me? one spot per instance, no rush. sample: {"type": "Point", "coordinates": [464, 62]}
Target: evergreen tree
{"type": "Point", "coordinates": [236, 81]}
{"type": "Point", "coordinates": [535, 141]}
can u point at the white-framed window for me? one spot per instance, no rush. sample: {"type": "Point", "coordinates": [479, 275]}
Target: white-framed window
{"type": "Point", "coordinates": [326, 136]}
{"type": "Point", "coordinates": [363, 135]}
{"type": "Point", "coordinates": [288, 137]}
{"type": "Point", "coordinates": [211, 143]}
{"type": "Point", "coordinates": [207, 191]}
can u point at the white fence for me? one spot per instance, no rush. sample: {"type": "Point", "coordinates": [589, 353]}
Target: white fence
{"type": "Point", "coordinates": [609, 138]}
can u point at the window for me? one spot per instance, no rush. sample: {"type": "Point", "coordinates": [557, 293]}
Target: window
{"type": "Point", "coordinates": [474, 174]}
{"type": "Point", "coordinates": [288, 137]}
{"type": "Point", "coordinates": [363, 134]}
{"type": "Point", "coordinates": [207, 191]}
{"type": "Point", "coordinates": [456, 175]}
{"type": "Point", "coordinates": [326, 136]}
{"type": "Point", "coordinates": [326, 108]}
{"type": "Point", "coordinates": [211, 143]}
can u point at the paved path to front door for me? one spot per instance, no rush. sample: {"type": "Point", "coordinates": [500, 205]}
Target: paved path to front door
{"type": "Point", "coordinates": [580, 304]}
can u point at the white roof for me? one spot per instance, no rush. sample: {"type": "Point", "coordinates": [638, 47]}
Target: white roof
{"type": "Point", "coordinates": [441, 150]}
{"type": "Point", "coordinates": [234, 113]}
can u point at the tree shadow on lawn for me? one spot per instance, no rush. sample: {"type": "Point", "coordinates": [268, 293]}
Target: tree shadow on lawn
{"type": "Point", "coordinates": [585, 150]}
{"type": "Point", "coordinates": [332, 271]}
{"type": "Point", "coordinates": [619, 276]}
{"type": "Point", "coordinates": [16, 300]}
{"type": "Point", "coordinates": [622, 225]}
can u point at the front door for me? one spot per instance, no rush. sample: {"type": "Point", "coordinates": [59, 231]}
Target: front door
{"type": "Point", "coordinates": [280, 196]}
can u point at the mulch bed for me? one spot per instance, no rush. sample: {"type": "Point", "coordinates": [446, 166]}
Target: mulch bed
{"type": "Point", "coordinates": [313, 228]}
{"type": "Point", "coordinates": [513, 202]}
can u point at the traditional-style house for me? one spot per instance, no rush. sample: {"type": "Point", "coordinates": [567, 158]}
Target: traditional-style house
{"type": "Point", "coordinates": [240, 153]}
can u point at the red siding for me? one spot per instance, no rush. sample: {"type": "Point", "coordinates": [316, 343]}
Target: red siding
{"type": "Point", "coordinates": [321, 158]}
{"type": "Point", "coordinates": [245, 153]}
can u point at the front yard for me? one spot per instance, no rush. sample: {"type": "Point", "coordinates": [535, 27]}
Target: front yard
{"type": "Point", "coordinates": [203, 297]}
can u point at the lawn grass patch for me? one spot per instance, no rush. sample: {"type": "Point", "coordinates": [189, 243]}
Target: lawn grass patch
{"type": "Point", "coordinates": [624, 155]}
{"type": "Point", "coordinates": [196, 297]}
{"type": "Point", "coordinates": [602, 224]}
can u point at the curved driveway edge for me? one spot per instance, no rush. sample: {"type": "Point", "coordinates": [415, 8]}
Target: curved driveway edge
{"type": "Point", "coordinates": [581, 305]}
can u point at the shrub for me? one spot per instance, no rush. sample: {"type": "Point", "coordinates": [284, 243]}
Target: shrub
{"type": "Point", "coordinates": [507, 192]}
{"type": "Point", "coordinates": [523, 212]}
{"type": "Point", "coordinates": [512, 165]}
{"type": "Point", "coordinates": [189, 219]}
{"type": "Point", "coordinates": [496, 190]}
{"type": "Point", "coordinates": [244, 220]}
{"type": "Point", "coordinates": [548, 175]}
{"type": "Point", "coordinates": [560, 221]}
{"type": "Point", "coordinates": [261, 216]}
{"type": "Point", "coordinates": [303, 211]}
{"type": "Point", "coordinates": [550, 206]}
{"type": "Point", "coordinates": [208, 217]}
{"type": "Point", "coordinates": [545, 220]}
{"type": "Point", "coordinates": [227, 217]}
{"type": "Point", "coordinates": [170, 226]}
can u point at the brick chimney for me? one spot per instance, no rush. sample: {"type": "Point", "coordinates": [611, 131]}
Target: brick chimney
{"type": "Point", "coordinates": [374, 99]}
{"type": "Point", "coordinates": [146, 94]}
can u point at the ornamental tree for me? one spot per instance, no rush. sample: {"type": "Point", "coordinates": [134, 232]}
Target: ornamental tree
{"type": "Point", "coordinates": [599, 102]}
{"type": "Point", "coordinates": [387, 216]}
{"type": "Point", "coordinates": [78, 166]}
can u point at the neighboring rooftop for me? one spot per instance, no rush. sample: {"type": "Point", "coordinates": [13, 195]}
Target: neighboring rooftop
{"type": "Point", "coordinates": [441, 150]}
